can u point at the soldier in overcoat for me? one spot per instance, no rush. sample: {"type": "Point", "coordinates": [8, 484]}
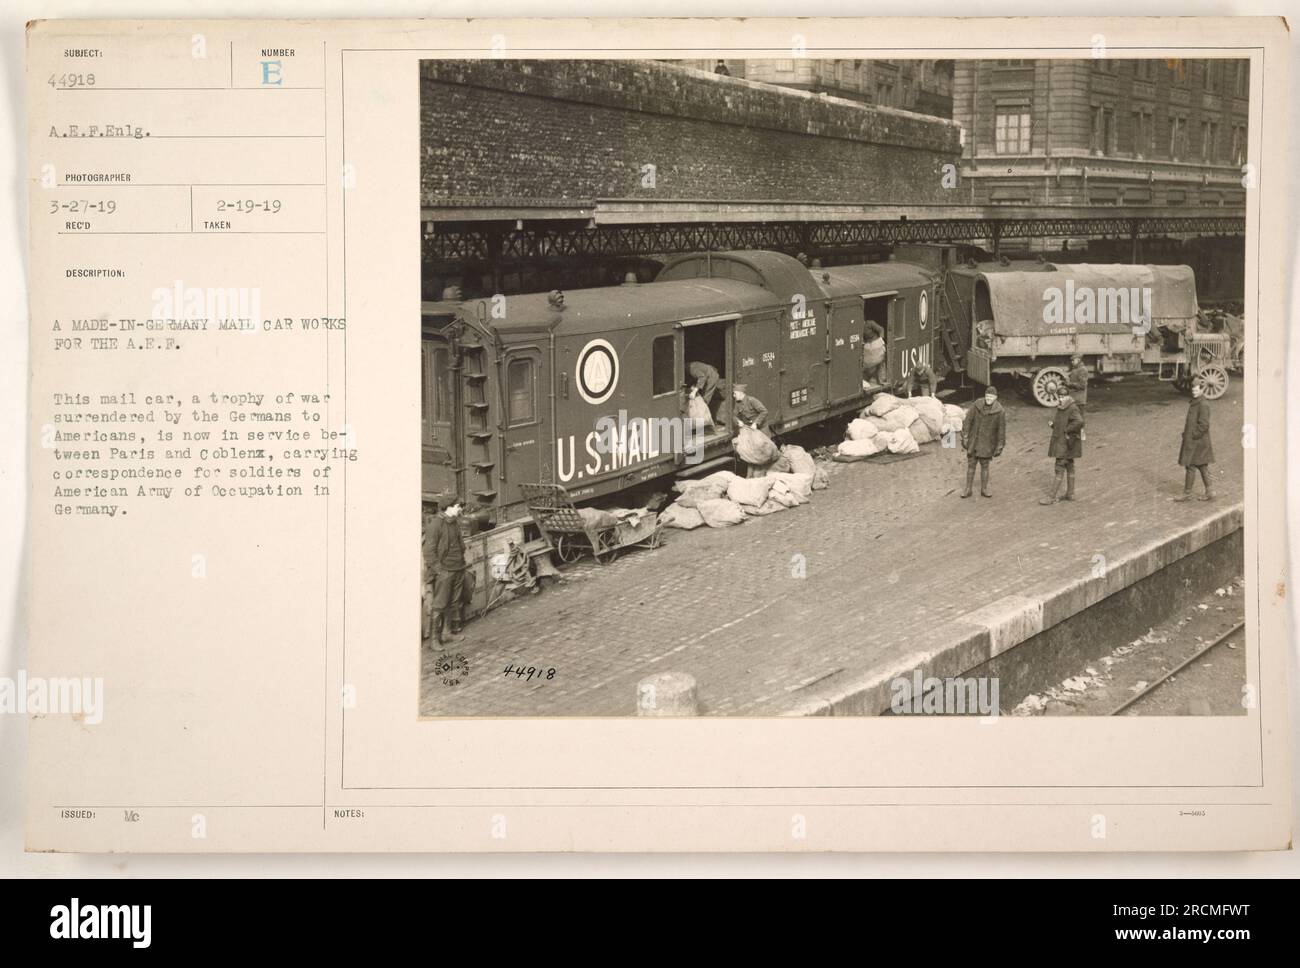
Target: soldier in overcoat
{"type": "Point", "coordinates": [1197, 451]}
{"type": "Point", "coordinates": [1066, 447]}
{"type": "Point", "coordinates": [983, 435]}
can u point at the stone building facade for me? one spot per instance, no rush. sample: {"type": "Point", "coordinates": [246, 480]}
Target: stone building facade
{"type": "Point", "coordinates": [1170, 134]}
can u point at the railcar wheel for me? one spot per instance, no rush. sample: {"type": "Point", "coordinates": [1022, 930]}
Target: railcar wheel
{"type": "Point", "coordinates": [1213, 381]}
{"type": "Point", "coordinates": [567, 548]}
{"type": "Point", "coordinates": [1047, 385]}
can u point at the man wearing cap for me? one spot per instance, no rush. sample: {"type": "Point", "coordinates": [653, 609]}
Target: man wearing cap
{"type": "Point", "coordinates": [748, 411]}
{"type": "Point", "coordinates": [1066, 446]}
{"type": "Point", "coordinates": [921, 374]}
{"type": "Point", "coordinates": [873, 353]}
{"type": "Point", "coordinates": [444, 564]}
{"type": "Point", "coordinates": [1197, 452]}
{"type": "Point", "coordinates": [983, 435]}
{"type": "Point", "coordinates": [704, 382]}
{"type": "Point", "coordinates": [1076, 382]}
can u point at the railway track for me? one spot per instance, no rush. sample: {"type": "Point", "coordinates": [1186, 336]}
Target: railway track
{"type": "Point", "coordinates": [1152, 687]}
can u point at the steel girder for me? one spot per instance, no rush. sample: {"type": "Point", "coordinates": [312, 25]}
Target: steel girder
{"type": "Point", "coordinates": [494, 243]}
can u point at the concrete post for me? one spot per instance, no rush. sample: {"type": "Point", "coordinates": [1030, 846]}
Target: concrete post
{"type": "Point", "coordinates": [667, 694]}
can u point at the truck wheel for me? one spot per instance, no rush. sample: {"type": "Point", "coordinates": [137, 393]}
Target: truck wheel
{"type": "Point", "coordinates": [1213, 381]}
{"type": "Point", "coordinates": [1047, 385]}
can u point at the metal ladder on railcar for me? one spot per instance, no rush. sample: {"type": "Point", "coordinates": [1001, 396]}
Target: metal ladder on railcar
{"type": "Point", "coordinates": [478, 431]}
{"type": "Point", "coordinates": [948, 332]}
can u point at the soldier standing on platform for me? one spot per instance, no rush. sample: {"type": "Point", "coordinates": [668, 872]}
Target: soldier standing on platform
{"type": "Point", "coordinates": [1076, 381]}
{"type": "Point", "coordinates": [1197, 451]}
{"type": "Point", "coordinates": [444, 560]}
{"type": "Point", "coordinates": [983, 435]}
{"type": "Point", "coordinates": [1066, 446]}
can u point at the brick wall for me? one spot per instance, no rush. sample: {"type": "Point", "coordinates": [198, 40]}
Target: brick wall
{"type": "Point", "coordinates": [506, 132]}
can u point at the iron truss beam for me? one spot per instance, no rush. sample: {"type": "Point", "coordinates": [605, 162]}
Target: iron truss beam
{"type": "Point", "coordinates": [457, 243]}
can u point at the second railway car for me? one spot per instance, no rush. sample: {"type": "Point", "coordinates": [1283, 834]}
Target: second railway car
{"type": "Point", "coordinates": [588, 388]}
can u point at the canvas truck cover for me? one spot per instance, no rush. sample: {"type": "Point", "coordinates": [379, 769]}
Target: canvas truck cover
{"type": "Point", "coordinates": [1090, 299]}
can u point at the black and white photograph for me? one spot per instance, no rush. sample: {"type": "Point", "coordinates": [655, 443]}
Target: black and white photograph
{"type": "Point", "coordinates": [805, 387]}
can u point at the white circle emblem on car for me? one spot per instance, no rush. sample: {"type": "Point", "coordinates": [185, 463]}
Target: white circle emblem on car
{"type": "Point", "coordinates": [597, 371]}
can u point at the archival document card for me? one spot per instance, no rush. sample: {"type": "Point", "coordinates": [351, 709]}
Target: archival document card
{"type": "Point", "coordinates": [657, 435]}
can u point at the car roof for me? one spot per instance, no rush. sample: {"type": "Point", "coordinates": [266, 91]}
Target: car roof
{"type": "Point", "coordinates": [619, 307]}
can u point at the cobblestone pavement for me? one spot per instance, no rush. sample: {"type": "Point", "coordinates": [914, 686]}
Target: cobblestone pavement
{"type": "Point", "coordinates": [892, 555]}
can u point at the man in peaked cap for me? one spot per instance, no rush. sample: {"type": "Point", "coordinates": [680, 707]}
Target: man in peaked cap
{"type": "Point", "coordinates": [748, 411]}
{"type": "Point", "coordinates": [983, 435]}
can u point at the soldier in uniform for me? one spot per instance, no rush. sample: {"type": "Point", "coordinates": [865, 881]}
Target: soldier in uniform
{"type": "Point", "coordinates": [873, 353]}
{"type": "Point", "coordinates": [1066, 446]}
{"type": "Point", "coordinates": [748, 411]}
{"type": "Point", "coordinates": [1197, 452]}
{"type": "Point", "coordinates": [704, 382]}
{"type": "Point", "coordinates": [1076, 382]}
{"type": "Point", "coordinates": [444, 566]}
{"type": "Point", "coordinates": [921, 373]}
{"type": "Point", "coordinates": [983, 435]}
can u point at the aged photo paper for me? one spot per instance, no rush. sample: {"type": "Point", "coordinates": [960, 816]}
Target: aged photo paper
{"type": "Point", "coordinates": [798, 435]}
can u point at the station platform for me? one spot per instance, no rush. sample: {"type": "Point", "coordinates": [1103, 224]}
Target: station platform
{"type": "Point", "coordinates": [815, 610]}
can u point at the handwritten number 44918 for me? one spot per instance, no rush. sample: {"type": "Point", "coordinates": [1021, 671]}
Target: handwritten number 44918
{"type": "Point", "coordinates": [526, 673]}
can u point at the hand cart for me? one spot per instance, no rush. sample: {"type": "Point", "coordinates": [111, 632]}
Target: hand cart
{"type": "Point", "coordinates": [571, 536]}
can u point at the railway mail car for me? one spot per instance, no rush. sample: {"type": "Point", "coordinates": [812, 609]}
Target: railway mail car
{"type": "Point", "coordinates": [587, 388]}
{"type": "Point", "coordinates": [901, 298]}
{"type": "Point", "coordinates": [809, 367]}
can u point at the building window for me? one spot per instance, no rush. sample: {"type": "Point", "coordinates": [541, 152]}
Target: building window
{"type": "Point", "coordinates": [884, 93]}
{"type": "Point", "coordinates": [1014, 63]}
{"type": "Point", "coordinates": [1177, 138]}
{"type": "Point", "coordinates": [786, 66]}
{"type": "Point", "coordinates": [520, 393]}
{"type": "Point", "coordinates": [1144, 70]}
{"type": "Point", "coordinates": [1012, 129]}
{"type": "Point", "coordinates": [1103, 131]}
{"type": "Point", "coordinates": [662, 360]}
{"type": "Point", "coordinates": [1238, 144]}
{"type": "Point", "coordinates": [1241, 78]}
{"type": "Point", "coordinates": [1209, 141]}
{"type": "Point", "coordinates": [1143, 134]}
